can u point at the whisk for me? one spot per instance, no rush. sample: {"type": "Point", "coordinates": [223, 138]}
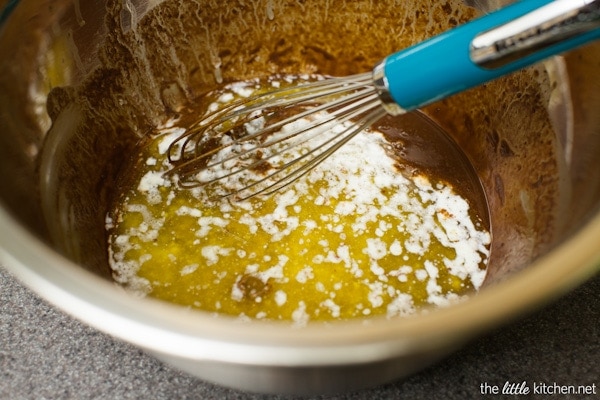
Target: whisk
{"type": "Point", "coordinates": [262, 143]}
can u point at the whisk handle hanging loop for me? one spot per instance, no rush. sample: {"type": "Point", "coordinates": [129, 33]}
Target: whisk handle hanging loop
{"type": "Point", "coordinates": [484, 49]}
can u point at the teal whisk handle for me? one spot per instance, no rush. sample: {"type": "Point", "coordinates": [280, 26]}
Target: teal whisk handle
{"type": "Point", "coordinates": [484, 49]}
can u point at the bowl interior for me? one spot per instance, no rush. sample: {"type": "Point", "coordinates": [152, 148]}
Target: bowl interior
{"type": "Point", "coordinates": [103, 78]}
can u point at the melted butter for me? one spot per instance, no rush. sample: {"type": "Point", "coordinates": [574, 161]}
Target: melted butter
{"type": "Point", "coordinates": [355, 237]}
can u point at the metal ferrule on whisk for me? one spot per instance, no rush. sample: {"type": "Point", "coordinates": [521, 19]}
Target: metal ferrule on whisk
{"type": "Point", "coordinates": [382, 87]}
{"type": "Point", "coordinates": [557, 21]}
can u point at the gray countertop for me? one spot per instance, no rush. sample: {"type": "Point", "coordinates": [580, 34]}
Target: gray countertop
{"type": "Point", "coordinates": [45, 354]}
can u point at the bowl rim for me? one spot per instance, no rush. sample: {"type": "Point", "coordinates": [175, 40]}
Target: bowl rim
{"type": "Point", "coordinates": [190, 334]}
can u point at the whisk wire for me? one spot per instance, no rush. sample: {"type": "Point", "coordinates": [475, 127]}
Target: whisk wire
{"type": "Point", "coordinates": [293, 176]}
{"type": "Point", "coordinates": [356, 100]}
{"type": "Point", "coordinates": [260, 131]}
{"type": "Point", "coordinates": [303, 93]}
{"type": "Point", "coordinates": [350, 111]}
{"type": "Point", "coordinates": [318, 153]}
{"type": "Point", "coordinates": [282, 98]}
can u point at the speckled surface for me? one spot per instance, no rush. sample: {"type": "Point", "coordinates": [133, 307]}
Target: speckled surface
{"type": "Point", "coordinates": [45, 354]}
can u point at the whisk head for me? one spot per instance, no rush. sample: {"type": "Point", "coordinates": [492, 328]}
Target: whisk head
{"type": "Point", "coordinates": [262, 143]}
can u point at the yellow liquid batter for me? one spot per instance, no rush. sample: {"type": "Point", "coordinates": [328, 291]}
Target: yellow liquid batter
{"type": "Point", "coordinates": [353, 238]}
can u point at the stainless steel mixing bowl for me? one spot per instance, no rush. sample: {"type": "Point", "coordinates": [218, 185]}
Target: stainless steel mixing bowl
{"type": "Point", "coordinates": [82, 82]}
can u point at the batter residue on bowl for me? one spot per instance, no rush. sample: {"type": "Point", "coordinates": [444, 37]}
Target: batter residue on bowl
{"type": "Point", "coordinates": [353, 238]}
